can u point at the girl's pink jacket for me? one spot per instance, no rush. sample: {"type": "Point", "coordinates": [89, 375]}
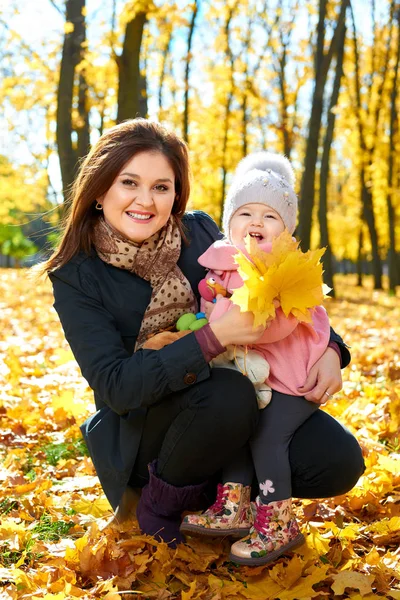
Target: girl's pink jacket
{"type": "Point", "coordinates": [290, 347]}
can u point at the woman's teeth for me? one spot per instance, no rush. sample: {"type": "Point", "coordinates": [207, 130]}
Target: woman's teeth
{"type": "Point", "coordinates": [139, 216]}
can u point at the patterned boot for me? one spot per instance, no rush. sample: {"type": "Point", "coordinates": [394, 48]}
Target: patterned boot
{"type": "Point", "coordinates": [275, 532]}
{"type": "Point", "coordinates": [229, 515]}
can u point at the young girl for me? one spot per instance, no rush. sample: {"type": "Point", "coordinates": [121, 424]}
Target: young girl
{"type": "Point", "coordinates": [262, 203]}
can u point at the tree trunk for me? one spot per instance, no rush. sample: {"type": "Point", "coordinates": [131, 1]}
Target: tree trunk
{"type": "Point", "coordinates": [165, 54]}
{"type": "Point", "coordinates": [248, 77]}
{"type": "Point", "coordinates": [82, 127]}
{"type": "Point", "coordinates": [229, 98]}
{"type": "Point", "coordinates": [392, 260]}
{"type": "Point", "coordinates": [71, 56]}
{"type": "Point", "coordinates": [366, 194]}
{"type": "Point", "coordinates": [130, 81]}
{"type": "Point", "coordinates": [322, 63]}
{"type": "Point", "coordinates": [187, 73]}
{"type": "Point", "coordinates": [324, 173]}
{"type": "Point", "coordinates": [360, 256]}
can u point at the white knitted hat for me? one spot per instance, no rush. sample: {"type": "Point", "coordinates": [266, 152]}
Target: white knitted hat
{"type": "Point", "coordinates": [263, 178]}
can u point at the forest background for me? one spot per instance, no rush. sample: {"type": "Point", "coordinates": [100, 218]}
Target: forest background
{"type": "Point", "coordinates": [317, 80]}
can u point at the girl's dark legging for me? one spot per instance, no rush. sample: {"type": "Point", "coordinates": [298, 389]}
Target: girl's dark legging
{"type": "Point", "coordinates": [267, 453]}
{"type": "Point", "coordinates": [194, 433]}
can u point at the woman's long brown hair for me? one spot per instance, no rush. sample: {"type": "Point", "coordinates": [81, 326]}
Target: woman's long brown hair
{"type": "Point", "coordinates": [99, 170]}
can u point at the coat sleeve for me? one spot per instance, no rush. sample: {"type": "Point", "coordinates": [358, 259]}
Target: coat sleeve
{"type": "Point", "coordinates": [124, 382]}
{"type": "Point", "coordinates": [344, 350]}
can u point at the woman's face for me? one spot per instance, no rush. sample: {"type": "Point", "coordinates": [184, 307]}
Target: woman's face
{"type": "Point", "coordinates": [140, 200]}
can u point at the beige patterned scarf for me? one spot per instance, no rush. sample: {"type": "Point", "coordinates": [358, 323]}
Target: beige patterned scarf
{"type": "Point", "coordinates": [155, 261]}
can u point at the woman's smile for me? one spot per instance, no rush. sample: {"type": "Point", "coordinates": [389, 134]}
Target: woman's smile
{"type": "Point", "coordinates": [138, 216]}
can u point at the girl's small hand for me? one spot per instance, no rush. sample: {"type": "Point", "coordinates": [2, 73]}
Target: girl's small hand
{"type": "Point", "coordinates": [324, 378]}
{"type": "Point", "coordinates": [208, 308]}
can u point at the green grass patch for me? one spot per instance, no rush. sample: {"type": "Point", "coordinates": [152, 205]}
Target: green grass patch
{"type": "Point", "coordinates": [7, 506]}
{"type": "Point", "coordinates": [9, 557]}
{"type": "Point", "coordinates": [65, 450]}
{"type": "Point", "coordinates": [51, 531]}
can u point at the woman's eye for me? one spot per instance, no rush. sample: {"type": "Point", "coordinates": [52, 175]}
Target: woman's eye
{"type": "Point", "coordinates": [161, 188]}
{"type": "Point", "coordinates": [128, 182]}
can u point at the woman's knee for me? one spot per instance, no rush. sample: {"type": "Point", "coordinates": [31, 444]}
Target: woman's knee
{"type": "Point", "coordinates": [325, 457]}
{"type": "Point", "coordinates": [233, 402]}
{"type": "Point", "coordinates": [349, 462]}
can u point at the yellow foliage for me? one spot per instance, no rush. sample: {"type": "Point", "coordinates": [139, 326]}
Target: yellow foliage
{"type": "Point", "coordinates": [285, 275]}
{"type": "Point", "coordinates": [68, 27]}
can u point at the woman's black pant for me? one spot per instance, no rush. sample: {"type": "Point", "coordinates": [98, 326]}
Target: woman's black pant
{"type": "Point", "coordinates": [195, 432]}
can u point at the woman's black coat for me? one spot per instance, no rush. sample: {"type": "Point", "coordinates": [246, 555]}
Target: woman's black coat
{"type": "Point", "coordinates": [101, 308]}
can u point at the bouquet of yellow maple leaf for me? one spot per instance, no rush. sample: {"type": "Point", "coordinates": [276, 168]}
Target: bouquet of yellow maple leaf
{"type": "Point", "coordinates": [286, 276]}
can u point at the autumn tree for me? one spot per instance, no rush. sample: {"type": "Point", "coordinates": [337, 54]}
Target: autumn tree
{"type": "Point", "coordinates": [322, 61]}
{"type": "Point", "coordinates": [132, 93]}
{"type": "Point", "coordinates": [70, 82]}
{"type": "Point", "coordinates": [188, 62]}
{"type": "Point", "coordinates": [368, 128]}
{"type": "Point", "coordinates": [325, 166]}
{"type": "Point", "coordinates": [393, 263]}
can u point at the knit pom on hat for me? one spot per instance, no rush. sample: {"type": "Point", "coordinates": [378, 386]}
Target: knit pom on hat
{"type": "Point", "coordinates": [263, 178]}
{"type": "Point", "coordinates": [262, 161]}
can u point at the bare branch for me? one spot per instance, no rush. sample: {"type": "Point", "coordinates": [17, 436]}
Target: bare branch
{"type": "Point", "coordinates": [58, 9]}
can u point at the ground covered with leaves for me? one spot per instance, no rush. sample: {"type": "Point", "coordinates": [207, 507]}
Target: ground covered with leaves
{"type": "Point", "coordinates": [56, 536]}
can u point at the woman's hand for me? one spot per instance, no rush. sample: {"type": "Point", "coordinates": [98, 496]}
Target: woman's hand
{"type": "Point", "coordinates": [235, 327]}
{"type": "Point", "coordinates": [324, 378]}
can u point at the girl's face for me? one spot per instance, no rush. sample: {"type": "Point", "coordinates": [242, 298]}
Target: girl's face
{"type": "Point", "coordinates": [257, 220]}
{"type": "Point", "coordinates": [140, 200]}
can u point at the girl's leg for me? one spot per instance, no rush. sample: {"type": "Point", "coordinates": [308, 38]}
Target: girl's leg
{"type": "Point", "coordinates": [275, 529]}
{"type": "Point", "coordinates": [325, 460]}
{"type": "Point", "coordinates": [270, 444]}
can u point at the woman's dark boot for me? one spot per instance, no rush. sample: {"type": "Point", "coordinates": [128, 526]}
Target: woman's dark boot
{"type": "Point", "coordinates": [161, 504]}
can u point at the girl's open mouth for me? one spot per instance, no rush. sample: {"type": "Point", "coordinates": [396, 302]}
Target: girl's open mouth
{"type": "Point", "coordinates": [258, 236]}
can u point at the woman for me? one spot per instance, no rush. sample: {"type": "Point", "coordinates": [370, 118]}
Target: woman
{"type": "Point", "coordinates": [127, 268]}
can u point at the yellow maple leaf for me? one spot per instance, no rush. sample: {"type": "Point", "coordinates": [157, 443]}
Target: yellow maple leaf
{"type": "Point", "coordinates": [97, 507]}
{"type": "Point", "coordinates": [304, 587]}
{"type": "Point", "coordinates": [352, 579]}
{"type": "Point", "coordinates": [286, 274]}
{"type": "Point", "coordinates": [314, 539]}
{"type": "Point", "coordinates": [287, 575]}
